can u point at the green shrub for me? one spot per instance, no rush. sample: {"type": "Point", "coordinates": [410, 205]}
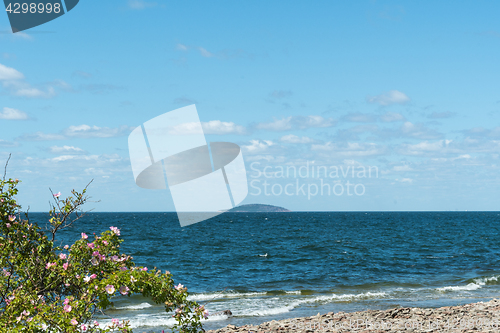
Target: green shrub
{"type": "Point", "coordinates": [49, 288]}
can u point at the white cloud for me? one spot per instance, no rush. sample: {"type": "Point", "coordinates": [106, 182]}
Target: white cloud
{"type": "Point", "coordinates": [296, 122]}
{"type": "Point", "coordinates": [13, 81]}
{"type": "Point", "coordinates": [441, 115]}
{"type": "Point", "coordinates": [87, 160]}
{"type": "Point", "coordinates": [405, 167]}
{"type": "Point", "coordinates": [452, 150]}
{"type": "Point", "coordinates": [481, 132]}
{"type": "Point", "coordinates": [404, 130]}
{"type": "Point", "coordinates": [221, 54]}
{"type": "Point", "coordinates": [463, 157]}
{"type": "Point", "coordinates": [40, 136]}
{"type": "Point", "coordinates": [210, 127]}
{"type": "Point", "coordinates": [80, 131]}
{"type": "Point", "coordinates": [222, 127]}
{"type": "Point", "coordinates": [13, 114]}
{"type": "Point", "coordinates": [74, 167]}
{"type": "Point", "coordinates": [23, 89]}
{"type": "Point", "coordinates": [439, 147]}
{"type": "Point", "coordinates": [388, 98]}
{"type": "Point", "coordinates": [314, 121]}
{"type": "Point", "coordinates": [283, 124]}
{"type": "Point", "coordinates": [66, 150]}
{"type": "Point", "coordinates": [8, 144]}
{"type": "Point", "coordinates": [186, 129]}
{"type": "Point", "coordinates": [359, 117]}
{"type": "Point", "coordinates": [257, 146]}
{"type": "Point", "coordinates": [140, 4]}
{"type": "Point", "coordinates": [34, 92]}
{"type": "Point", "coordinates": [205, 53]}
{"type": "Point", "coordinates": [22, 35]}
{"type": "Point", "coordinates": [418, 131]}
{"type": "Point", "coordinates": [86, 131]}
{"type": "Point", "coordinates": [350, 149]}
{"type": "Point", "coordinates": [295, 139]}
{"type": "Point", "coordinates": [9, 73]}
{"type": "Point", "coordinates": [405, 180]}
{"type": "Point", "coordinates": [390, 117]}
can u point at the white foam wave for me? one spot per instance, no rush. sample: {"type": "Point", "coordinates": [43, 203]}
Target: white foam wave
{"type": "Point", "coordinates": [153, 320]}
{"type": "Point", "coordinates": [274, 308]}
{"type": "Point", "coordinates": [272, 311]}
{"type": "Point", "coordinates": [483, 281]}
{"type": "Point", "coordinates": [135, 307]}
{"type": "Point", "coordinates": [470, 286]}
{"type": "Point", "coordinates": [210, 296]}
{"type": "Point", "coordinates": [241, 305]}
{"type": "Point", "coordinates": [143, 321]}
{"type": "Point", "coordinates": [344, 297]}
{"type": "Point", "coordinates": [477, 284]}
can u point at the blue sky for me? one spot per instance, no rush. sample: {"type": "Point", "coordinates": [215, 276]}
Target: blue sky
{"type": "Point", "coordinates": [409, 88]}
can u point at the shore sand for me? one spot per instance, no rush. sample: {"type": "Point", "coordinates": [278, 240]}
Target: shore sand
{"type": "Point", "coordinates": [475, 317]}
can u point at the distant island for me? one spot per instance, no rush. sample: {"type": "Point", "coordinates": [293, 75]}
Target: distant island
{"type": "Point", "coordinates": [258, 208]}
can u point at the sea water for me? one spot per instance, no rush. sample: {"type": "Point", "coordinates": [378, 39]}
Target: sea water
{"type": "Point", "coordinates": [265, 266]}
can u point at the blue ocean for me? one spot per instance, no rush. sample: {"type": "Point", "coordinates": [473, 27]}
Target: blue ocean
{"type": "Point", "coordinates": [265, 266]}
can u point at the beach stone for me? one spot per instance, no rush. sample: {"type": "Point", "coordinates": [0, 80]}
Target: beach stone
{"type": "Point", "coordinates": [394, 319]}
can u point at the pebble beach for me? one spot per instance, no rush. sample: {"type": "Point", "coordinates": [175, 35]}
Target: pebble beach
{"type": "Point", "coordinates": [475, 317]}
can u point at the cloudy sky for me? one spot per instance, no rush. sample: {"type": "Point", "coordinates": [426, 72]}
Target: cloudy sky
{"type": "Point", "coordinates": [410, 89]}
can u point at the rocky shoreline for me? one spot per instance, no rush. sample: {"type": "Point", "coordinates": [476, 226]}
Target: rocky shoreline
{"type": "Point", "coordinates": [475, 317]}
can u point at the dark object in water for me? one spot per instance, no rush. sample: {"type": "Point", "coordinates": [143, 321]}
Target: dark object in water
{"type": "Point", "coordinates": [225, 312]}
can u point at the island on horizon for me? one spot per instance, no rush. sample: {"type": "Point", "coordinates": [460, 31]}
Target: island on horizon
{"type": "Point", "coordinates": [258, 208]}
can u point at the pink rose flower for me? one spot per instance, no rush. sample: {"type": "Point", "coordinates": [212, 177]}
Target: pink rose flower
{"type": "Point", "coordinates": [124, 290]}
{"type": "Point", "coordinates": [115, 230]}
{"type": "Point", "coordinates": [110, 289]}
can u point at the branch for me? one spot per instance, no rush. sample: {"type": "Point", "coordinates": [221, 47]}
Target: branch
{"type": "Point", "coordinates": [6, 164]}
{"type": "Point", "coordinates": [66, 220]}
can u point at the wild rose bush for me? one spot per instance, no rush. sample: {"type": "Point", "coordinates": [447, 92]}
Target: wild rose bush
{"type": "Point", "coordinates": [49, 288]}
